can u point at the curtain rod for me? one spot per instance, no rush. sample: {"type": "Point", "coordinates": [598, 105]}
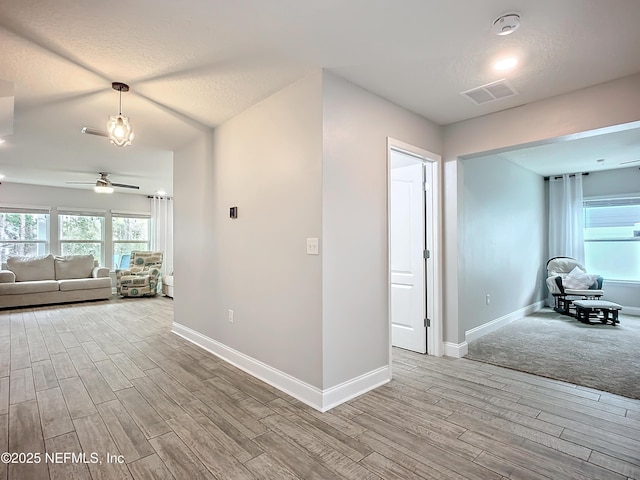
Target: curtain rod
{"type": "Point", "coordinates": [160, 197]}
{"type": "Point", "coordinates": [556, 177]}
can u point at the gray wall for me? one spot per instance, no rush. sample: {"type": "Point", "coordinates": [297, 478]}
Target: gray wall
{"type": "Point", "coordinates": [502, 240]}
{"type": "Point", "coordinates": [267, 161]}
{"type": "Point", "coordinates": [601, 106]}
{"type": "Point", "coordinates": [354, 221]}
{"type": "Point", "coordinates": [309, 161]}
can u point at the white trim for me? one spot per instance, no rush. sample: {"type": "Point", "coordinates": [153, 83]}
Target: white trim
{"type": "Point", "coordinates": [321, 400]}
{"type": "Point", "coordinates": [482, 330]}
{"type": "Point", "coordinates": [100, 212]}
{"type": "Point", "coordinates": [334, 396]}
{"type": "Point", "coordinates": [130, 213]}
{"type": "Point", "coordinates": [26, 208]}
{"type": "Point", "coordinates": [456, 350]}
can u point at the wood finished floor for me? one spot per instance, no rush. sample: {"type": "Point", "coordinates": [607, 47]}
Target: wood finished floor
{"type": "Point", "coordinates": [110, 378]}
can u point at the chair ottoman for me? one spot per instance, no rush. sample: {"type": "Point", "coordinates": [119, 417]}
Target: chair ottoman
{"type": "Point", "coordinates": [600, 308]}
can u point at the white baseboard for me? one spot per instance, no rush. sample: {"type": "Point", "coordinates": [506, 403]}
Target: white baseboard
{"type": "Point", "coordinates": [456, 350]}
{"type": "Point", "coordinates": [482, 330]}
{"type": "Point", "coordinates": [321, 400]}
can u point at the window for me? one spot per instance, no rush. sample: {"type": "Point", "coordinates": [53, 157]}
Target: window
{"type": "Point", "coordinates": [130, 233]}
{"type": "Point", "coordinates": [23, 232]}
{"type": "Point", "coordinates": [82, 234]}
{"type": "Point", "coordinates": [612, 238]}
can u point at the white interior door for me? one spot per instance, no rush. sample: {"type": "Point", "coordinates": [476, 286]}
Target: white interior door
{"type": "Point", "coordinates": [407, 246]}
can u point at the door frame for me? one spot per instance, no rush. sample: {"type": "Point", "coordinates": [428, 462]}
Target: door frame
{"type": "Point", "coordinates": [433, 269]}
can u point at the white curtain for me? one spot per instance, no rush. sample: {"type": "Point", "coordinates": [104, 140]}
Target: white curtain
{"type": "Point", "coordinates": [162, 231]}
{"type": "Point", "coordinates": [566, 217]}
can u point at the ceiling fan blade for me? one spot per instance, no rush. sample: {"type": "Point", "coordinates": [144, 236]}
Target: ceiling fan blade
{"type": "Point", "coordinates": [124, 185]}
{"type": "Point", "coordinates": [81, 183]}
{"type": "Point", "coordinates": [94, 131]}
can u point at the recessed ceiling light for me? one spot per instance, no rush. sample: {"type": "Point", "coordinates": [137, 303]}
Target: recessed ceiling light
{"type": "Point", "coordinates": [505, 64]}
{"type": "Point", "coordinates": [506, 24]}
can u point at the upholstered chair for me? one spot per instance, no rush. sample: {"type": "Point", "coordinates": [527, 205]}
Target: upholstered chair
{"type": "Point", "coordinates": [143, 276]}
{"type": "Point", "coordinates": [568, 280]}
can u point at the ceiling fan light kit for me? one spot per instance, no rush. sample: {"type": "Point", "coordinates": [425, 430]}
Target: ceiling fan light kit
{"type": "Point", "coordinates": [119, 127]}
{"type": "Point", "coordinates": [104, 185]}
{"type": "Point", "coordinates": [102, 188]}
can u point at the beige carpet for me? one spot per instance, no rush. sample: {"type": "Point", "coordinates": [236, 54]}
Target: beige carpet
{"type": "Point", "coordinates": [558, 346]}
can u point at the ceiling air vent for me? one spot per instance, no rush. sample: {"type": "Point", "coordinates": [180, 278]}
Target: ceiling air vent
{"type": "Point", "coordinates": [490, 92]}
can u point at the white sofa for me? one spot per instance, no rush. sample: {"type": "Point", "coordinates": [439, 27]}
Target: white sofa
{"type": "Point", "coordinates": [47, 279]}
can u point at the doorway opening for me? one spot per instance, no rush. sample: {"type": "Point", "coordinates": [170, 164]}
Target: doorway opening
{"type": "Point", "coordinates": [415, 319]}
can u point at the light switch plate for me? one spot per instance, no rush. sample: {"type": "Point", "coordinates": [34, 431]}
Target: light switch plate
{"type": "Point", "coordinates": [312, 246]}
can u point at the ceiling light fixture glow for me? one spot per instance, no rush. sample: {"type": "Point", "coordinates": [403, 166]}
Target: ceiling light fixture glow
{"type": "Point", "coordinates": [2, 140]}
{"type": "Point", "coordinates": [505, 64]}
{"type": "Point", "coordinates": [119, 128]}
{"type": "Point", "coordinates": [103, 189]}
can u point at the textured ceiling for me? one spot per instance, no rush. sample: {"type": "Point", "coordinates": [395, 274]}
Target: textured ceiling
{"type": "Point", "coordinates": [194, 64]}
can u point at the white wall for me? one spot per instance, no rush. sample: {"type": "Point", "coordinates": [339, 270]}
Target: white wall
{"type": "Point", "coordinates": [24, 194]}
{"type": "Point", "coordinates": [600, 106]}
{"type": "Point", "coordinates": [622, 181]}
{"type": "Point", "coordinates": [503, 238]}
{"type": "Point", "coordinates": [355, 303]}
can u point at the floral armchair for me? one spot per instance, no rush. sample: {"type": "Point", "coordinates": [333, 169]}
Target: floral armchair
{"type": "Point", "coordinates": [142, 277]}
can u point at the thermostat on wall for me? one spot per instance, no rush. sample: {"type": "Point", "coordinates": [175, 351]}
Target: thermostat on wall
{"type": "Point", "coordinates": [233, 212]}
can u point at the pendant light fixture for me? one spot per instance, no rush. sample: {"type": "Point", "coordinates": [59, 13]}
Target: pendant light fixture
{"type": "Point", "coordinates": [119, 128]}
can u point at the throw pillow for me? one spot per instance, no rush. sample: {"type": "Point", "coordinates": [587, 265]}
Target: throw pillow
{"type": "Point", "coordinates": [578, 280]}
{"type": "Point", "coordinates": [32, 268]}
{"type": "Point", "coordinates": [74, 266]}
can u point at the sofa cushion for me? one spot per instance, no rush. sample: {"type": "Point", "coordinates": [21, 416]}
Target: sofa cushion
{"type": "Point", "coordinates": [20, 288]}
{"type": "Point", "coordinates": [84, 283]}
{"type": "Point", "coordinates": [73, 266]}
{"type": "Point", "coordinates": [32, 268]}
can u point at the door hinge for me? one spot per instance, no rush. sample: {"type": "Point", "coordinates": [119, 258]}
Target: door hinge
{"type": "Point", "coordinates": [427, 322]}
{"type": "Point", "coordinates": [426, 254]}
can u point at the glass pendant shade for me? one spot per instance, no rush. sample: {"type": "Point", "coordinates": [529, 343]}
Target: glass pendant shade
{"type": "Point", "coordinates": [120, 130]}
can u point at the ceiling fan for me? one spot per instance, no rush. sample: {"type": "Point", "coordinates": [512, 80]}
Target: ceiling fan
{"type": "Point", "coordinates": [104, 185]}
{"type": "Point", "coordinates": [94, 131]}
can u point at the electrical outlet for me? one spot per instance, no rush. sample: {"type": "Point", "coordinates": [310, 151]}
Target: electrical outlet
{"type": "Point", "coordinates": [488, 299]}
{"type": "Point", "coordinates": [230, 316]}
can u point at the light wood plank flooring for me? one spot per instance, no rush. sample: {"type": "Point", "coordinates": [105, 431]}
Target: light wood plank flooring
{"type": "Point", "coordinates": [109, 379]}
